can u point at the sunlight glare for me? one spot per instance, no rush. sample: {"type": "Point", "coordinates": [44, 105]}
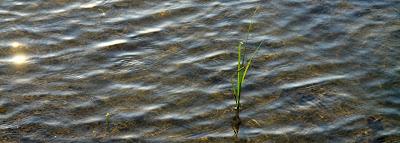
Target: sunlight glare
{"type": "Point", "coordinates": [16, 44]}
{"type": "Point", "coordinates": [19, 59]}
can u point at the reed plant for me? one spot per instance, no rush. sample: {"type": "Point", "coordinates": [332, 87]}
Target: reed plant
{"type": "Point", "coordinates": [108, 120]}
{"type": "Point", "coordinates": [243, 65]}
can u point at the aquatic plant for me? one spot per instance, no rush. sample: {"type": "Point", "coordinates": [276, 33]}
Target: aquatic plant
{"type": "Point", "coordinates": [108, 115]}
{"type": "Point", "coordinates": [243, 66]}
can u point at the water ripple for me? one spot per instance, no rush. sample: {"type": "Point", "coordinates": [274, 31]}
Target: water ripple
{"type": "Point", "coordinates": [160, 71]}
{"type": "Point", "coordinates": [312, 81]}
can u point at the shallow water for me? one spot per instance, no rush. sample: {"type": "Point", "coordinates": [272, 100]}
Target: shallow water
{"type": "Point", "coordinates": [328, 71]}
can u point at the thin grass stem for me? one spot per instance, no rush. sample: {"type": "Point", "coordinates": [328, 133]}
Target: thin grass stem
{"type": "Point", "coordinates": [243, 66]}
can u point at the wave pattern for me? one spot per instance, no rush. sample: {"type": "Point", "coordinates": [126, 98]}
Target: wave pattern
{"type": "Point", "coordinates": [327, 71]}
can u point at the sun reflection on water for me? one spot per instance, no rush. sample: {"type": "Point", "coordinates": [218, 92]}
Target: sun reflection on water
{"type": "Point", "coordinates": [19, 59]}
{"type": "Point", "coordinates": [16, 44]}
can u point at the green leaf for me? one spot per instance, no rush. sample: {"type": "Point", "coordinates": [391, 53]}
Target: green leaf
{"type": "Point", "coordinates": [249, 62]}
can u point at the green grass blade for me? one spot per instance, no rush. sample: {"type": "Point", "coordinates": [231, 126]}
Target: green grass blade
{"type": "Point", "coordinates": [249, 63]}
{"type": "Point", "coordinates": [248, 32]}
{"type": "Point", "coordinates": [242, 66]}
{"type": "Point", "coordinates": [239, 71]}
{"type": "Point", "coordinates": [239, 55]}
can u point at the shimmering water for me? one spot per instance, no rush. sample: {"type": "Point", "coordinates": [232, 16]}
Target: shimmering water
{"type": "Point", "coordinates": [328, 71]}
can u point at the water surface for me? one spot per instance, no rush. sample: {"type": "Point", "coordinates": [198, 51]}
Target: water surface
{"type": "Point", "coordinates": [328, 71]}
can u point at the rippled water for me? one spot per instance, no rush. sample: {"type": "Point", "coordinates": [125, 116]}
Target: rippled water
{"type": "Point", "coordinates": [328, 71]}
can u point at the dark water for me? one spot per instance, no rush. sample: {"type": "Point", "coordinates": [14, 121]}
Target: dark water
{"type": "Point", "coordinates": [328, 71]}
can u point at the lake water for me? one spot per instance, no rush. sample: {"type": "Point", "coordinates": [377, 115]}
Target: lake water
{"type": "Point", "coordinates": [160, 71]}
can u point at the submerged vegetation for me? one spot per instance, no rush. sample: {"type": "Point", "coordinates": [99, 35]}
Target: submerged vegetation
{"type": "Point", "coordinates": [243, 66]}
